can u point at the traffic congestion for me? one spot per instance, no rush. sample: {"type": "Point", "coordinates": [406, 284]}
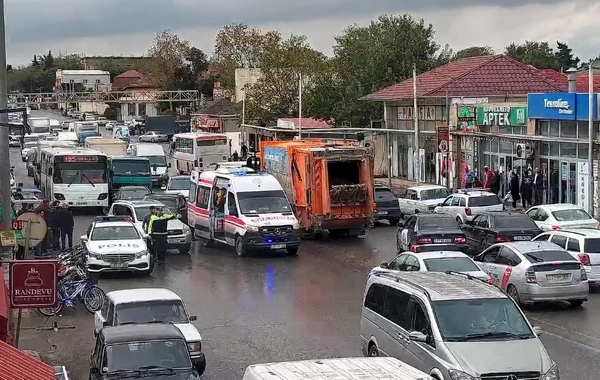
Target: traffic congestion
{"type": "Point", "coordinates": [213, 266]}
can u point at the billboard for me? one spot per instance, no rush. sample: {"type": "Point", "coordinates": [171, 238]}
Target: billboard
{"type": "Point", "coordinates": [33, 283]}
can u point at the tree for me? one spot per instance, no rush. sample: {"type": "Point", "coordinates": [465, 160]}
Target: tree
{"type": "Point", "coordinates": [537, 54]}
{"type": "Point", "coordinates": [276, 93]}
{"type": "Point", "coordinates": [112, 67]}
{"type": "Point", "coordinates": [238, 46]}
{"type": "Point", "coordinates": [565, 59]}
{"type": "Point", "coordinates": [473, 51]}
{"type": "Point", "coordinates": [170, 54]}
{"type": "Point", "coordinates": [34, 61]}
{"type": "Point", "coordinates": [48, 60]}
{"type": "Point", "coordinates": [368, 58]}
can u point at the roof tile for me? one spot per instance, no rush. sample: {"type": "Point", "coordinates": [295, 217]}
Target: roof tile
{"type": "Point", "coordinates": [17, 365]}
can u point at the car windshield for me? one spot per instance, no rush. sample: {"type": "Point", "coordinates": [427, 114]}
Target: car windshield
{"type": "Point", "coordinates": [434, 223]}
{"type": "Point", "coordinates": [179, 183]}
{"type": "Point", "coordinates": [480, 319]}
{"type": "Point", "coordinates": [40, 129]}
{"type": "Point", "coordinates": [30, 145]}
{"type": "Point", "coordinates": [456, 264]}
{"type": "Point", "coordinates": [433, 194]}
{"type": "Point", "coordinates": [27, 139]}
{"type": "Point", "coordinates": [484, 200]}
{"type": "Point", "coordinates": [548, 256]}
{"type": "Point", "coordinates": [134, 355]}
{"type": "Point", "coordinates": [130, 167]}
{"type": "Point", "coordinates": [142, 211]}
{"type": "Point", "coordinates": [115, 233]}
{"type": "Point", "coordinates": [514, 221]}
{"type": "Point", "coordinates": [168, 311]}
{"type": "Point", "coordinates": [591, 246]}
{"type": "Point", "coordinates": [571, 215]}
{"type": "Point", "coordinates": [382, 193]}
{"type": "Point", "coordinates": [137, 193]}
{"type": "Point", "coordinates": [158, 160]}
{"type": "Point", "coordinates": [29, 194]}
{"type": "Point", "coordinates": [170, 202]}
{"type": "Point", "coordinates": [263, 202]}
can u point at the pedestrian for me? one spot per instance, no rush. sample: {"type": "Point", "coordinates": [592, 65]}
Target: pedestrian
{"type": "Point", "coordinates": [514, 188]}
{"type": "Point", "coordinates": [18, 194]}
{"type": "Point", "coordinates": [469, 177]}
{"type": "Point", "coordinates": [65, 224]}
{"type": "Point", "coordinates": [526, 190]}
{"type": "Point", "coordinates": [538, 187]}
{"type": "Point", "coordinates": [44, 211]}
{"type": "Point", "coordinates": [494, 184]}
{"type": "Point", "coordinates": [55, 233]}
{"type": "Point", "coordinates": [235, 156]}
{"type": "Point", "coordinates": [157, 229]}
{"type": "Point", "coordinates": [487, 177]}
{"type": "Point", "coordinates": [244, 150]}
{"type": "Point", "coordinates": [151, 211]}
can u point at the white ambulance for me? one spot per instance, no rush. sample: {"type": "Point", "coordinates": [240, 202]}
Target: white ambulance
{"type": "Point", "coordinates": [242, 208]}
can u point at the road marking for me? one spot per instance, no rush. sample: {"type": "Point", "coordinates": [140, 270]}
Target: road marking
{"type": "Point", "coordinates": [570, 331]}
{"type": "Point", "coordinates": [594, 349]}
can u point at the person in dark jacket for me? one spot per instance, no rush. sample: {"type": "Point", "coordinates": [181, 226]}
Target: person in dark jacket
{"type": "Point", "coordinates": [495, 182]}
{"type": "Point", "coordinates": [514, 188]}
{"type": "Point", "coordinates": [65, 224]}
{"type": "Point", "coordinates": [44, 211]}
{"type": "Point", "coordinates": [538, 187]}
{"type": "Point", "coordinates": [527, 190]}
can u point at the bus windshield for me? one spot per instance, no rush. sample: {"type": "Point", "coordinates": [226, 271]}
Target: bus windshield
{"type": "Point", "coordinates": [129, 167]}
{"type": "Point", "coordinates": [80, 172]}
{"type": "Point", "coordinates": [158, 160]}
{"type": "Point", "coordinates": [40, 129]}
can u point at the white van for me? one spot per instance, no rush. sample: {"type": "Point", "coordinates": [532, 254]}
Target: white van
{"type": "Point", "coordinates": [338, 369]}
{"type": "Point", "coordinates": [253, 213]}
{"type": "Point", "coordinates": [158, 161]}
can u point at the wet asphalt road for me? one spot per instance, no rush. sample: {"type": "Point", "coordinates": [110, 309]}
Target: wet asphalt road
{"type": "Point", "coordinates": [277, 308]}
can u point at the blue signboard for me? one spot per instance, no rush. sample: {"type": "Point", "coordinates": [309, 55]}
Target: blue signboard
{"type": "Point", "coordinates": [561, 106]}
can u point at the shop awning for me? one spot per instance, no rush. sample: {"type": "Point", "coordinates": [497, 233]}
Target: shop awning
{"type": "Point", "coordinates": [17, 365]}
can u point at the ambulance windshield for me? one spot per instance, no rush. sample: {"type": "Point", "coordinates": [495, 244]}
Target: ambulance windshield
{"type": "Point", "coordinates": [263, 202]}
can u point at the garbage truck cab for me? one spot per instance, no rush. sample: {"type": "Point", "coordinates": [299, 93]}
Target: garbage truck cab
{"type": "Point", "coordinates": [242, 208]}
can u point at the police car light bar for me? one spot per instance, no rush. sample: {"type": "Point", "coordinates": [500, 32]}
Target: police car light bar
{"type": "Point", "coordinates": [113, 218]}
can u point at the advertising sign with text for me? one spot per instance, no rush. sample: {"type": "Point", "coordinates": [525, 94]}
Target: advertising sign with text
{"type": "Point", "coordinates": [501, 116]}
{"type": "Point", "coordinates": [561, 106]}
{"type": "Point", "coordinates": [33, 283]}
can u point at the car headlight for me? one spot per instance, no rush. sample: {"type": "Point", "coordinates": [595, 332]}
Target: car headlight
{"type": "Point", "coordinates": [251, 228]}
{"type": "Point", "coordinates": [194, 346]}
{"type": "Point", "coordinates": [459, 375]}
{"type": "Point", "coordinates": [95, 255]}
{"type": "Point", "coordinates": [186, 229]}
{"type": "Point", "coordinates": [296, 226]}
{"type": "Point", "coordinates": [552, 373]}
{"type": "Point", "coordinates": [141, 254]}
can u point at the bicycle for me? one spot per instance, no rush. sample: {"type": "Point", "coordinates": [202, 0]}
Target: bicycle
{"type": "Point", "coordinates": [72, 292]}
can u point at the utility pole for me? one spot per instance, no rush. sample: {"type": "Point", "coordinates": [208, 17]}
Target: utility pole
{"type": "Point", "coordinates": [300, 107]}
{"type": "Point", "coordinates": [417, 164]}
{"type": "Point", "coordinates": [4, 155]}
{"type": "Point", "coordinates": [591, 191]}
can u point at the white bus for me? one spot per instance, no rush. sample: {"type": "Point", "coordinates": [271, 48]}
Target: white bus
{"type": "Point", "coordinates": [199, 150]}
{"type": "Point", "coordinates": [77, 176]}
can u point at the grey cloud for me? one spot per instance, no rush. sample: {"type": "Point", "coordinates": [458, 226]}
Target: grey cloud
{"type": "Point", "coordinates": [65, 19]}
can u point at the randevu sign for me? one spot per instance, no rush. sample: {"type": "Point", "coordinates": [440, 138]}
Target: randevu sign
{"type": "Point", "coordinates": [33, 283]}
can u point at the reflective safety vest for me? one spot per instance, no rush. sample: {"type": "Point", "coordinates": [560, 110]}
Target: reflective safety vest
{"type": "Point", "coordinates": [154, 218]}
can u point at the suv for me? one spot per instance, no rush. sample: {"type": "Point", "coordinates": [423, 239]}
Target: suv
{"type": "Point", "coordinates": [149, 351]}
{"type": "Point", "coordinates": [387, 205]}
{"type": "Point", "coordinates": [466, 204]}
{"type": "Point", "coordinates": [582, 244]}
{"type": "Point", "coordinates": [432, 321]}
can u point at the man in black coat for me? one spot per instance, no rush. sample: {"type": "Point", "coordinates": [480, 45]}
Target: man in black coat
{"type": "Point", "coordinates": [65, 224]}
{"type": "Point", "coordinates": [527, 190]}
{"type": "Point", "coordinates": [538, 187]}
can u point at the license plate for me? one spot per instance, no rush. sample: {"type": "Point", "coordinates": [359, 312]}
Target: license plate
{"type": "Point", "coordinates": [442, 240]}
{"type": "Point", "coordinates": [278, 246]}
{"type": "Point", "coordinates": [525, 238]}
{"type": "Point", "coordinates": [558, 277]}
{"type": "Point", "coordinates": [382, 212]}
{"type": "Point", "coordinates": [81, 203]}
{"type": "Point", "coordinates": [176, 240]}
{"type": "Point", "coordinates": [123, 265]}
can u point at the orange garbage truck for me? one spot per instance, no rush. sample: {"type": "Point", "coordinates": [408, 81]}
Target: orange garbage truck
{"type": "Point", "coordinates": [330, 185]}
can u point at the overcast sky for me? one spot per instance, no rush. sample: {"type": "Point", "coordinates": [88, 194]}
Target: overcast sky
{"type": "Point", "coordinates": [126, 27]}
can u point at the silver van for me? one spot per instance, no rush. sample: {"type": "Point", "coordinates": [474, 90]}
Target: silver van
{"type": "Point", "coordinates": [452, 327]}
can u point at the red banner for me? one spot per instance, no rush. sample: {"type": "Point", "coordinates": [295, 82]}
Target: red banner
{"type": "Point", "coordinates": [33, 283]}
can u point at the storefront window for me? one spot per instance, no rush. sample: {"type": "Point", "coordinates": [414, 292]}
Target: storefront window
{"type": "Point", "coordinates": [505, 130]}
{"type": "Point", "coordinates": [568, 150]}
{"type": "Point", "coordinates": [545, 149]}
{"type": "Point", "coordinates": [568, 129]}
{"type": "Point", "coordinates": [519, 130]}
{"type": "Point", "coordinates": [506, 147]}
{"type": "Point", "coordinates": [544, 128]}
{"type": "Point", "coordinates": [583, 131]}
{"type": "Point", "coordinates": [582, 151]}
{"type": "Point", "coordinates": [554, 129]}
{"type": "Point", "coordinates": [553, 149]}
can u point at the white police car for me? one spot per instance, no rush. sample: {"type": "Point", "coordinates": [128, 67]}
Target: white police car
{"type": "Point", "coordinates": [114, 243]}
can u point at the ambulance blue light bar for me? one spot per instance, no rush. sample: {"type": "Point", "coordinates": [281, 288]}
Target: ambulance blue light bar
{"type": "Point", "coordinates": [113, 218]}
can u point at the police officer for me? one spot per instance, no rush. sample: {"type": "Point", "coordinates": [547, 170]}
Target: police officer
{"type": "Point", "coordinates": [157, 229]}
{"type": "Point", "coordinates": [151, 212]}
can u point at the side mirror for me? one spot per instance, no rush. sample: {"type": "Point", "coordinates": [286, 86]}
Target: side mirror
{"type": "Point", "coordinates": [384, 265]}
{"type": "Point", "coordinates": [537, 330]}
{"type": "Point", "coordinates": [105, 324]}
{"type": "Point", "coordinates": [417, 336]}
{"type": "Point", "coordinates": [169, 165]}
{"type": "Point", "coordinates": [193, 318]}
{"type": "Point", "coordinates": [84, 238]}
{"type": "Point", "coordinates": [179, 216]}
{"type": "Point", "coordinates": [145, 236]}
{"type": "Point", "coordinates": [163, 188]}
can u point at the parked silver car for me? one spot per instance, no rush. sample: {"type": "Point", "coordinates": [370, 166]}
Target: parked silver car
{"type": "Point", "coordinates": [153, 137]}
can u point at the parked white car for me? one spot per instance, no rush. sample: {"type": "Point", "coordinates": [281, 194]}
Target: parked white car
{"type": "Point", "coordinates": [467, 204]}
{"type": "Point", "coordinates": [422, 198]}
{"type": "Point", "coordinates": [561, 216]}
{"type": "Point", "coordinates": [151, 305]}
{"type": "Point", "coordinates": [179, 184]}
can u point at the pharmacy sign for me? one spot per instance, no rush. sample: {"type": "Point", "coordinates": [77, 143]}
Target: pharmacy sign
{"type": "Point", "coordinates": [501, 116]}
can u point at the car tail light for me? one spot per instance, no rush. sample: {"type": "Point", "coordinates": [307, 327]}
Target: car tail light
{"type": "Point", "coordinates": [502, 239]}
{"type": "Point", "coordinates": [414, 248]}
{"type": "Point", "coordinates": [530, 276]}
{"type": "Point", "coordinates": [556, 228]}
{"type": "Point", "coordinates": [598, 226]}
{"type": "Point", "coordinates": [584, 276]}
{"type": "Point", "coordinates": [460, 240]}
{"type": "Point", "coordinates": [467, 211]}
{"type": "Point", "coordinates": [424, 241]}
{"type": "Point", "coordinates": [584, 259]}
{"type": "Point", "coordinates": [490, 281]}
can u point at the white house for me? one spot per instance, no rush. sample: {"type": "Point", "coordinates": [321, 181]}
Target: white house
{"type": "Point", "coordinates": [97, 80]}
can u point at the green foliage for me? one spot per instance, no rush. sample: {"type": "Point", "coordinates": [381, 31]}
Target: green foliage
{"type": "Point", "coordinates": [110, 113]}
{"type": "Point", "coordinates": [537, 54]}
{"type": "Point", "coordinates": [565, 59]}
{"type": "Point", "coordinates": [40, 76]}
{"type": "Point", "coordinates": [473, 51]}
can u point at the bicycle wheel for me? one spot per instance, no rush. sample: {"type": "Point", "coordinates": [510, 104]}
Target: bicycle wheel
{"type": "Point", "coordinates": [93, 299]}
{"type": "Point", "coordinates": [52, 311]}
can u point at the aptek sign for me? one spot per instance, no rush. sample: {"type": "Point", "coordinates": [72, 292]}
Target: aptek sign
{"type": "Point", "coordinates": [33, 283]}
{"type": "Point", "coordinates": [502, 116]}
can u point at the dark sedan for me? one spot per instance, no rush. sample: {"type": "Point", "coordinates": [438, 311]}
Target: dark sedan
{"type": "Point", "coordinates": [425, 229]}
{"type": "Point", "coordinates": [132, 193]}
{"type": "Point", "coordinates": [498, 227]}
{"type": "Point", "coordinates": [387, 205]}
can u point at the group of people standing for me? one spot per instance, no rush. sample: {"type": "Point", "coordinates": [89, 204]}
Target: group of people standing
{"type": "Point", "coordinates": [529, 189]}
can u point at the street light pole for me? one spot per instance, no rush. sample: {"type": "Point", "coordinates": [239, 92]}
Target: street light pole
{"type": "Point", "coordinates": [591, 190]}
{"type": "Point", "coordinates": [4, 155]}
{"type": "Point", "coordinates": [416, 163]}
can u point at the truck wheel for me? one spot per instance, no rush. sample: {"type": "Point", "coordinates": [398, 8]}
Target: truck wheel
{"type": "Point", "coordinates": [292, 251]}
{"type": "Point", "coordinates": [240, 248]}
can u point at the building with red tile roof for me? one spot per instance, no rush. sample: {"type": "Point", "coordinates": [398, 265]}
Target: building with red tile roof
{"type": "Point", "coordinates": [131, 79]}
{"type": "Point", "coordinates": [17, 365]}
{"type": "Point", "coordinates": [582, 79]}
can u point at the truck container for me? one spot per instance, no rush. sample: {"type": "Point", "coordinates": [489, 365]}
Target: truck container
{"type": "Point", "coordinates": [110, 147]}
{"type": "Point", "coordinates": [330, 185]}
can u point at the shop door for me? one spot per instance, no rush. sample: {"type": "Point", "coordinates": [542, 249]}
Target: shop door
{"type": "Point", "coordinates": [568, 182]}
